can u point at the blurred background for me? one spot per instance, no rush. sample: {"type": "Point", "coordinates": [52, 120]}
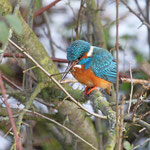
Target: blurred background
{"type": "Point", "coordinates": [63, 23]}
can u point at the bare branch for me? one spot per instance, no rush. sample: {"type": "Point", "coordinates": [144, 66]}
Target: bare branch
{"type": "Point", "coordinates": [60, 125]}
{"type": "Point", "coordinates": [47, 20]}
{"type": "Point", "coordinates": [21, 56]}
{"type": "Point", "coordinates": [147, 140]}
{"type": "Point", "coordinates": [132, 11]}
{"type": "Point", "coordinates": [131, 93]}
{"type": "Point", "coordinates": [11, 83]}
{"type": "Point", "coordinates": [145, 83]}
{"type": "Point", "coordinates": [45, 8]}
{"type": "Point", "coordinates": [18, 142]}
{"type": "Point", "coordinates": [139, 8]}
{"type": "Point", "coordinates": [121, 123]}
{"type": "Point", "coordinates": [139, 121]}
{"type": "Point", "coordinates": [117, 82]}
{"type": "Point", "coordinates": [78, 21]}
{"type": "Point", "coordinates": [37, 90]}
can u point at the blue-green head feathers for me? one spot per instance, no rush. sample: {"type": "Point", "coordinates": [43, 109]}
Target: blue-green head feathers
{"type": "Point", "coordinates": [77, 49]}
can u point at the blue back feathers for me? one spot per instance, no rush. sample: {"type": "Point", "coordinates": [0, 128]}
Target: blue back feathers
{"type": "Point", "coordinates": [103, 65]}
{"type": "Point", "coordinates": [101, 62]}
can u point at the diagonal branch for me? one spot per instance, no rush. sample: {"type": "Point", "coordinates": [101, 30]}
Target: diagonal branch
{"type": "Point", "coordinates": [55, 81]}
{"type": "Point", "coordinates": [137, 15]}
{"type": "Point", "coordinates": [37, 90]}
{"type": "Point", "coordinates": [18, 143]}
{"type": "Point", "coordinates": [62, 126]}
{"type": "Point", "coordinates": [139, 121]}
{"type": "Point", "coordinates": [139, 8]}
{"type": "Point", "coordinates": [45, 8]}
{"type": "Point", "coordinates": [34, 115]}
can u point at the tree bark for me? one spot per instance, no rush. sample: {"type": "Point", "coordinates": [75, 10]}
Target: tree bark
{"type": "Point", "coordinates": [95, 20]}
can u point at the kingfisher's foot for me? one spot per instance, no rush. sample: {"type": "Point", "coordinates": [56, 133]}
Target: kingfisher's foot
{"type": "Point", "coordinates": [88, 92]}
{"type": "Point", "coordinates": [92, 89]}
{"type": "Point", "coordinates": [109, 90]}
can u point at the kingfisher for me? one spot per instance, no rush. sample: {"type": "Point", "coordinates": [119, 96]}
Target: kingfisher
{"type": "Point", "coordinates": [92, 66]}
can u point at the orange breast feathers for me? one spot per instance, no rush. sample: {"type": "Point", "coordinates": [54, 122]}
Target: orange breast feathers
{"type": "Point", "coordinates": [87, 77]}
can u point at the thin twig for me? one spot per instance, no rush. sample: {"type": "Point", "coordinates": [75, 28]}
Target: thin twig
{"type": "Point", "coordinates": [55, 81]}
{"type": "Point", "coordinates": [29, 69]}
{"type": "Point", "coordinates": [12, 55]}
{"type": "Point", "coordinates": [59, 47]}
{"type": "Point", "coordinates": [147, 140]}
{"type": "Point", "coordinates": [59, 60]}
{"type": "Point", "coordinates": [30, 13]}
{"type": "Point", "coordinates": [147, 19]}
{"type": "Point", "coordinates": [17, 5]}
{"type": "Point", "coordinates": [18, 143]}
{"type": "Point", "coordinates": [45, 103]}
{"type": "Point", "coordinates": [137, 15]}
{"type": "Point", "coordinates": [138, 121]}
{"type": "Point", "coordinates": [37, 90]}
{"type": "Point", "coordinates": [121, 123]}
{"type": "Point", "coordinates": [78, 21]}
{"type": "Point", "coordinates": [11, 83]}
{"type": "Point", "coordinates": [140, 99]}
{"type": "Point", "coordinates": [134, 101]}
{"type": "Point", "coordinates": [62, 126]}
{"type": "Point", "coordinates": [45, 8]}
{"type": "Point", "coordinates": [21, 56]}
{"type": "Point", "coordinates": [136, 81]}
{"type": "Point", "coordinates": [144, 115]}
{"type": "Point", "coordinates": [47, 20]}
{"type": "Point", "coordinates": [139, 8]}
{"type": "Point", "coordinates": [6, 134]}
{"type": "Point", "coordinates": [146, 83]}
{"type": "Point", "coordinates": [117, 60]}
{"type": "Point", "coordinates": [74, 14]}
{"type": "Point", "coordinates": [131, 93]}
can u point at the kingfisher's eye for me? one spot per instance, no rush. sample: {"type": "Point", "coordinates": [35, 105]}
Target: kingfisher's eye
{"type": "Point", "coordinates": [79, 58]}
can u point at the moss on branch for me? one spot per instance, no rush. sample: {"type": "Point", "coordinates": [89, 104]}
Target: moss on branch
{"type": "Point", "coordinates": [5, 7]}
{"type": "Point", "coordinates": [102, 104]}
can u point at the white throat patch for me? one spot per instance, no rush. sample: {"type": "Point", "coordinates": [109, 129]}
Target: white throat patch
{"type": "Point", "coordinates": [90, 53]}
{"type": "Point", "coordinates": [77, 66]}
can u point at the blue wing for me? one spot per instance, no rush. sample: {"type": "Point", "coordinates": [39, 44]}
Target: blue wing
{"type": "Point", "coordinates": [102, 64]}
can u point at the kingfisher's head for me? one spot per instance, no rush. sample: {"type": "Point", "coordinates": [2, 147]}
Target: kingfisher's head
{"type": "Point", "coordinates": [77, 49]}
{"type": "Point", "coordinates": [74, 52]}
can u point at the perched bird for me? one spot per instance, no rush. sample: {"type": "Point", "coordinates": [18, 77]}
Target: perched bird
{"type": "Point", "coordinates": [92, 66]}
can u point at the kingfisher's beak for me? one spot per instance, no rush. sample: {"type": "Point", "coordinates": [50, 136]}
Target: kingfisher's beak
{"type": "Point", "coordinates": [70, 65]}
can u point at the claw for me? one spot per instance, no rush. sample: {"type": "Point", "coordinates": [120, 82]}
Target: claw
{"type": "Point", "coordinates": [92, 89]}
{"type": "Point", "coordinates": [109, 91]}
{"type": "Point", "coordinates": [88, 92]}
